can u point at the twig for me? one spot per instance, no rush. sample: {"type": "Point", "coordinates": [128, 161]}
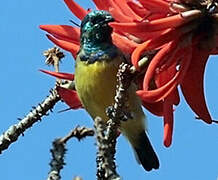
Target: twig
{"type": "Point", "coordinates": [53, 57]}
{"type": "Point", "coordinates": [12, 134]}
{"type": "Point", "coordinates": [142, 63]}
{"type": "Point", "coordinates": [79, 133]}
{"type": "Point", "coordinates": [57, 163]}
{"type": "Point", "coordinates": [106, 137]}
{"type": "Point", "coordinates": [59, 149]}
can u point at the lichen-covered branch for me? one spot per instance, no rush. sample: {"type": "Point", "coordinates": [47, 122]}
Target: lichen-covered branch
{"type": "Point", "coordinates": [119, 111]}
{"type": "Point", "coordinates": [59, 149]}
{"type": "Point", "coordinates": [57, 163]}
{"type": "Point", "coordinates": [106, 136]}
{"type": "Point", "coordinates": [53, 57]}
{"type": "Point", "coordinates": [12, 134]}
{"type": "Point", "coordinates": [106, 167]}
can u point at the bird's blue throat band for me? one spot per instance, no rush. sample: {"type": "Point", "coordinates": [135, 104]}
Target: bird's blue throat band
{"type": "Point", "coordinates": [98, 53]}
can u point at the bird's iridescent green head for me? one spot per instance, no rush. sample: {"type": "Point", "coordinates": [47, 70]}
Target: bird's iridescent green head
{"type": "Point", "coordinates": [95, 28]}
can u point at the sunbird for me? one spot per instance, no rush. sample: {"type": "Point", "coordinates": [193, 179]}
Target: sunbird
{"type": "Point", "coordinates": [96, 67]}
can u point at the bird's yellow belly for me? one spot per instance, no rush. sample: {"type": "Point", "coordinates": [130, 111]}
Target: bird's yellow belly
{"type": "Point", "coordinates": [96, 84]}
{"type": "Point", "coordinates": [96, 87]}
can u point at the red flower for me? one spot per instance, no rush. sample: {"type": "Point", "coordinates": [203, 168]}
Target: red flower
{"type": "Point", "coordinates": [69, 96]}
{"type": "Point", "coordinates": [183, 35]}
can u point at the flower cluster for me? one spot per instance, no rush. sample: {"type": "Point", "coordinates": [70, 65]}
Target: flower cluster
{"type": "Point", "coordinates": [180, 35]}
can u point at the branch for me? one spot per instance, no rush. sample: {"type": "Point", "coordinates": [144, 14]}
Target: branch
{"type": "Point", "coordinates": [106, 167]}
{"type": "Point", "coordinates": [59, 149]}
{"type": "Point", "coordinates": [79, 133]}
{"type": "Point", "coordinates": [53, 57]}
{"type": "Point", "coordinates": [13, 132]}
{"type": "Point", "coordinates": [106, 137]}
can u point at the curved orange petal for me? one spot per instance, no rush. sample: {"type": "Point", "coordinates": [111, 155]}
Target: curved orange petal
{"type": "Point", "coordinates": [158, 24]}
{"type": "Point", "coordinates": [63, 31]}
{"type": "Point", "coordinates": [193, 85]}
{"type": "Point", "coordinates": [154, 108]}
{"type": "Point", "coordinates": [139, 10]}
{"type": "Point", "coordinates": [156, 5]}
{"type": "Point", "coordinates": [156, 62]}
{"type": "Point", "coordinates": [124, 44]}
{"type": "Point", "coordinates": [176, 97]}
{"type": "Point", "coordinates": [172, 59]}
{"type": "Point", "coordinates": [59, 75]}
{"type": "Point", "coordinates": [118, 12]}
{"type": "Point", "coordinates": [68, 46]}
{"type": "Point", "coordinates": [163, 77]}
{"type": "Point", "coordinates": [151, 35]}
{"type": "Point", "coordinates": [155, 43]}
{"type": "Point", "coordinates": [119, 16]}
{"type": "Point", "coordinates": [162, 92]}
{"type": "Point", "coordinates": [70, 97]}
{"type": "Point", "coordinates": [124, 7]}
{"type": "Point", "coordinates": [168, 121]}
{"type": "Point", "coordinates": [152, 44]}
{"type": "Point", "coordinates": [155, 16]}
{"type": "Point", "coordinates": [102, 4]}
{"type": "Point", "coordinates": [76, 9]}
{"type": "Point", "coordinates": [114, 9]}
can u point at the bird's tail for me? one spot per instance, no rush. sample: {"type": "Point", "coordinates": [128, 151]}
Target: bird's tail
{"type": "Point", "coordinates": [145, 153]}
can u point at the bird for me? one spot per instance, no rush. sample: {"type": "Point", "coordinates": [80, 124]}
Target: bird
{"type": "Point", "coordinates": [96, 66]}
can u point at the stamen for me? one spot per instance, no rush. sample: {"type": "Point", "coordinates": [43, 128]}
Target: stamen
{"type": "Point", "coordinates": [178, 8]}
{"type": "Point", "coordinates": [68, 46]}
{"type": "Point", "coordinates": [192, 14]}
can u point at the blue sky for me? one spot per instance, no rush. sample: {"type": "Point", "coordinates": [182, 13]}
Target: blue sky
{"type": "Point", "coordinates": [193, 154]}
